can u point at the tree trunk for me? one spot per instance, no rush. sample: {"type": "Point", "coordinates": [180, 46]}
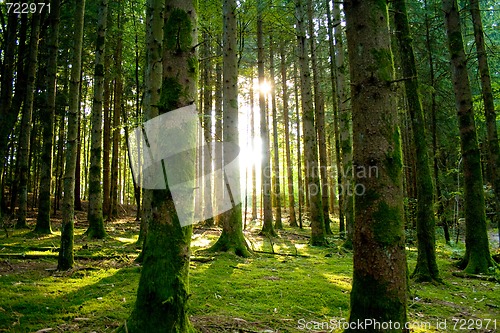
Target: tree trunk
{"type": "Point", "coordinates": [300, 182]}
{"type": "Point", "coordinates": [66, 257]}
{"type": "Point", "coordinates": [477, 257]}
{"type": "Point", "coordinates": [426, 268]}
{"type": "Point", "coordinates": [345, 127]}
{"type": "Point", "coordinates": [267, 227]}
{"type": "Point", "coordinates": [232, 238]}
{"type": "Point", "coordinates": [278, 224]}
{"type": "Point", "coordinates": [117, 108]}
{"type": "Point", "coordinates": [218, 159]}
{"type": "Point", "coordinates": [26, 122]}
{"type": "Point", "coordinates": [379, 288]}
{"type": "Point", "coordinates": [310, 142]}
{"type": "Point", "coordinates": [489, 107]}
{"type": "Point", "coordinates": [286, 121]}
{"type": "Point", "coordinates": [319, 111]}
{"type": "Point", "coordinates": [8, 116]}
{"type": "Point", "coordinates": [163, 292]}
{"type": "Point", "coordinates": [252, 136]}
{"type": "Point", "coordinates": [207, 131]}
{"type": "Point", "coordinates": [106, 145]}
{"type": "Point", "coordinates": [95, 217]}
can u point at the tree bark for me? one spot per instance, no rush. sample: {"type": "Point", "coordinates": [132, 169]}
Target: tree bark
{"type": "Point", "coordinates": [95, 217]}
{"type": "Point", "coordinates": [66, 257]}
{"type": "Point", "coordinates": [379, 288]}
{"type": "Point", "coordinates": [477, 257]}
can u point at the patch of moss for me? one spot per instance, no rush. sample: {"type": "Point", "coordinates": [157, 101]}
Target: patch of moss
{"type": "Point", "coordinates": [171, 92]}
{"type": "Point", "coordinates": [388, 227]}
{"type": "Point", "coordinates": [394, 158]}
{"type": "Point", "coordinates": [383, 64]}
{"type": "Point", "coordinates": [178, 31]}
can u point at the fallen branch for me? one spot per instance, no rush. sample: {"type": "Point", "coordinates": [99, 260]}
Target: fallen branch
{"type": "Point", "coordinates": [283, 254]}
{"type": "Point", "coordinates": [475, 276]}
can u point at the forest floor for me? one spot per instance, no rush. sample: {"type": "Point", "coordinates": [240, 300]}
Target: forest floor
{"type": "Point", "coordinates": [299, 288]}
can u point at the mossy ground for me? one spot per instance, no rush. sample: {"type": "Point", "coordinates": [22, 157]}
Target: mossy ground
{"type": "Point", "coordinates": [263, 293]}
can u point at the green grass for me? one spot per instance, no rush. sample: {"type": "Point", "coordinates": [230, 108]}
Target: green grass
{"type": "Point", "coordinates": [264, 292]}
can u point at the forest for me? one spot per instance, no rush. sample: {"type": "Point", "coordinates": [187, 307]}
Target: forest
{"type": "Point", "coordinates": [249, 166]}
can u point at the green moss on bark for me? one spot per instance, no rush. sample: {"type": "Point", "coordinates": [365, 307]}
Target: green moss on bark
{"type": "Point", "coordinates": [388, 223]}
{"type": "Point", "coordinates": [171, 92]}
{"type": "Point", "coordinates": [178, 29]}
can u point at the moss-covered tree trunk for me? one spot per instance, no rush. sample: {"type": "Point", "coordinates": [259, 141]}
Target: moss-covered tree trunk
{"type": "Point", "coordinates": [312, 178]}
{"type": "Point", "coordinates": [477, 257]}
{"type": "Point", "coordinates": [66, 257]}
{"type": "Point", "coordinates": [163, 292]}
{"type": "Point", "coordinates": [379, 288]}
{"type": "Point", "coordinates": [26, 122]}
{"type": "Point", "coordinates": [232, 238]}
{"type": "Point", "coordinates": [267, 226]}
{"type": "Point", "coordinates": [43, 225]}
{"type": "Point", "coordinates": [95, 216]}
{"type": "Point", "coordinates": [286, 121]}
{"type": "Point", "coordinates": [426, 268]}
{"type": "Point", "coordinates": [489, 106]}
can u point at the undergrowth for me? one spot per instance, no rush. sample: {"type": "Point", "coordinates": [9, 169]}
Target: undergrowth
{"type": "Point", "coordinates": [293, 287]}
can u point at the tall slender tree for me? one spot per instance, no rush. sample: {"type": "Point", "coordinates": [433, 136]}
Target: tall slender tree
{"type": "Point", "coordinates": [267, 227]}
{"type": "Point", "coordinates": [95, 216]}
{"type": "Point", "coordinates": [43, 225]}
{"type": "Point", "coordinates": [278, 224]}
{"type": "Point", "coordinates": [232, 238]}
{"type": "Point", "coordinates": [163, 292]}
{"type": "Point", "coordinates": [477, 257]}
{"type": "Point", "coordinates": [66, 257]}
{"type": "Point", "coordinates": [26, 121]}
{"type": "Point", "coordinates": [286, 121]}
{"type": "Point", "coordinates": [379, 287]}
{"type": "Point", "coordinates": [426, 268]}
{"type": "Point", "coordinates": [489, 106]}
{"type": "Point", "coordinates": [319, 117]}
{"type": "Point", "coordinates": [312, 179]}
